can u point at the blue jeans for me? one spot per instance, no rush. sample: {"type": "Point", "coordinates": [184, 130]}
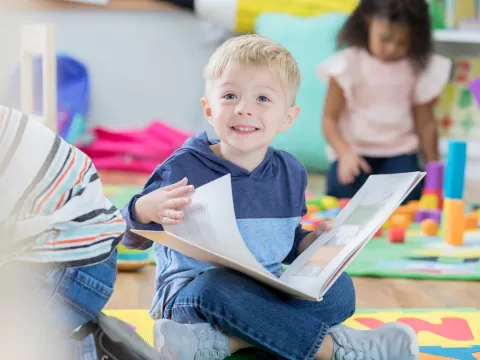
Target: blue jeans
{"type": "Point", "coordinates": [47, 304]}
{"type": "Point", "coordinates": [289, 328]}
{"type": "Point", "coordinates": [396, 164]}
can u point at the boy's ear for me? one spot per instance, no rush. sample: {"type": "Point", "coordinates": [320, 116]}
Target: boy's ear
{"type": "Point", "coordinates": [290, 117]}
{"type": "Point", "coordinates": [206, 109]}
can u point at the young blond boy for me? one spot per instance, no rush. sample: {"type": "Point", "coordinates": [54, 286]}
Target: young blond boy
{"type": "Point", "coordinates": [209, 313]}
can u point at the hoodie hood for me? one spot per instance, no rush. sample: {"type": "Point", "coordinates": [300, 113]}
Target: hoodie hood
{"type": "Point", "coordinates": [199, 146]}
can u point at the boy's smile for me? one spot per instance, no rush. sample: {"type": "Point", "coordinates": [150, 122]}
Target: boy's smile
{"type": "Point", "coordinates": [247, 106]}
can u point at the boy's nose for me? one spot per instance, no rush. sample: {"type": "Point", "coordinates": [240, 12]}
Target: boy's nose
{"type": "Point", "coordinates": [243, 110]}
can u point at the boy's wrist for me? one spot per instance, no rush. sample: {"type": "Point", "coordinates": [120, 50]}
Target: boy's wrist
{"type": "Point", "coordinates": [139, 212]}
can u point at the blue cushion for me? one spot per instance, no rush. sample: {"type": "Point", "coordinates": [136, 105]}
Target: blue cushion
{"type": "Point", "coordinates": [310, 40]}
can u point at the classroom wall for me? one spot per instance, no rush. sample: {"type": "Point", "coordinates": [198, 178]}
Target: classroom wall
{"type": "Point", "coordinates": [142, 65]}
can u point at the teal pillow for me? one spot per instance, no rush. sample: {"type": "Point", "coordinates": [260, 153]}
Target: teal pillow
{"type": "Point", "coordinates": [310, 40]}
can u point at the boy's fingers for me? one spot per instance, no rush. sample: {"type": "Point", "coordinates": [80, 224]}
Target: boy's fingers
{"type": "Point", "coordinates": [182, 182]}
{"type": "Point", "coordinates": [177, 203]}
{"type": "Point", "coordinates": [168, 221]}
{"type": "Point", "coordinates": [172, 214]}
{"type": "Point", "coordinates": [180, 191]}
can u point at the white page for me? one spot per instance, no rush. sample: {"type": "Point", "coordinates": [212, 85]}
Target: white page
{"type": "Point", "coordinates": [210, 222]}
{"type": "Point", "coordinates": [352, 228]}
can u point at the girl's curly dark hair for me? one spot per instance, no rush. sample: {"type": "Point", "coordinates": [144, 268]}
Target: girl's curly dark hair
{"type": "Point", "coordinates": [413, 13]}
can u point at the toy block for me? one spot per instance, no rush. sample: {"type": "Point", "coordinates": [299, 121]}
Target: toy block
{"type": "Point", "coordinates": [387, 225]}
{"type": "Point", "coordinates": [413, 205]}
{"type": "Point", "coordinates": [454, 222]}
{"type": "Point", "coordinates": [471, 221]}
{"type": "Point", "coordinates": [329, 202]}
{"type": "Point", "coordinates": [434, 177]}
{"type": "Point", "coordinates": [429, 227]}
{"type": "Point", "coordinates": [435, 215]}
{"type": "Point", "coordinates": [396, 235]}
{"type": "Point", "coordinates": [343, 202]}
{"type": "Point", "coordinates": [400, 221]}
{"type": "Point", "coordinates": [429, 201]}
{"type": "Point", "coordinates": [455, 170]}
{"type": "Point", "coordinates": [378, 233]}
{"type": "Point", "coordinates": [315, 200]}
{"type": "Point", "coordinates": [311, 209]}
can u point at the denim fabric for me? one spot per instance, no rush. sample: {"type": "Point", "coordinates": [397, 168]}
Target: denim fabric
{"type": "Point", "coordinates": [50, 303]}
{"type": "Point", "coordinates": [289, 328]}
{"type": "Point", "coordinates": [396, 164]}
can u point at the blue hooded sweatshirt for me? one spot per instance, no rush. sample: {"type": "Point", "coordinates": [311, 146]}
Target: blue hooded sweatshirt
{"type": "Point", "coordinates": [268, 203]}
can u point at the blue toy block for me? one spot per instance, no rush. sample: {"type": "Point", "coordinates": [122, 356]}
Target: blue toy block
{"type": "Point", "coordinates": [455, 170]}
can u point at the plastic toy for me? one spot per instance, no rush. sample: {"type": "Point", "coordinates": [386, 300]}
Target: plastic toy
{"type": "Point", "coordinates": [400, 221]}
{"type": "Point", "coordinates": [435, 215]}
{"type": "Point", "coordinates": [454, 222]}
{"type": "Point", "coordinates": [343, 202]}
{"type": "Point", "coordinates": [471, 221]}
{"type": "Point", "coordinates": [329, 202]}
{"type": "Point", "coordinates": [430, 227]}
{"type": "Point", "coordinates": [396, 235]}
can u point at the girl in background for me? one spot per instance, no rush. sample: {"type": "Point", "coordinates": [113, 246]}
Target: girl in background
{"type": "Point", "coordinates": [378, 114]}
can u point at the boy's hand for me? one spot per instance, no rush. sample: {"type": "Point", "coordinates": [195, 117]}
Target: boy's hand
{"type": "Point", "coordinates": [322, 227]}
{"type": "Point", "coordinates": [350, 166]}
{"type": "Point", "coordinates": [163, 205]}
{"type": "Point", "coordinates": [311, 237]}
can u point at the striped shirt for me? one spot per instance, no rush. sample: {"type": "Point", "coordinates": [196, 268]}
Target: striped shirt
{"type": "Point", "coordinates": [53, 208]}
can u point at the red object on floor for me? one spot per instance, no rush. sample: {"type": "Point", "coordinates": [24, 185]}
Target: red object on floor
{"type": "Point", "coordinates": [343, 202]}
{"type": "Point", "coordinates": [396, 235]}
{"type": "Point", "coordinates": [134, 150]}
{"type": "Point", "coordinates": [378, 233]}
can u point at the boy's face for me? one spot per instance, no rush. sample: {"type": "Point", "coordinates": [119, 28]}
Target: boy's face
{"type": "Point", "coordinates": [247, 107]}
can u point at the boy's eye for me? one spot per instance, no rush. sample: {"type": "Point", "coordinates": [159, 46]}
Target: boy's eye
{"type": "Point", "coordinates": [229, 96]}
{"type": "Point", "coordinates": [263, 98]}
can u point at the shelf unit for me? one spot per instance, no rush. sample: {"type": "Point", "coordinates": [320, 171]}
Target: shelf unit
{"type": "Point", "coordinates": [457, 36]}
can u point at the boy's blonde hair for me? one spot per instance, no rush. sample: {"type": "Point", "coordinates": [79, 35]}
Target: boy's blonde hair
{"type": "Point", "coordinates": [248, 50]}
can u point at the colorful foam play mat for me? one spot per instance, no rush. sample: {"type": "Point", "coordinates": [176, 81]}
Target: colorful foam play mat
{"type": "Point", "coordinates": [420, 257]}
{"type": "Point", "coordinates": [442, 334]}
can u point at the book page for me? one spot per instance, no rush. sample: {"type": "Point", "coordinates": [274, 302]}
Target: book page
{"type": "Point", "coordinates": [210, 222]}
{"type": "Point", "coordinates": [352, 228]}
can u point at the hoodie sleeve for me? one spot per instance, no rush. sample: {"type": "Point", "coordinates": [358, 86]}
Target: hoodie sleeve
{"type": "Point", "coordinates": [299, 231]}
{"type": "Point", "coordinates": [163, 175]}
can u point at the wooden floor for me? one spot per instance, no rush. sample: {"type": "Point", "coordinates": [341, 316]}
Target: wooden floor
{"type": "Point", "coordinates": [136, 290]}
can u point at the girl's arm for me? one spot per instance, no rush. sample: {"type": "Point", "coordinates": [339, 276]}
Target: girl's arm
{"type": "Point", "coordinates": [334, 105]}
{"type": "Point", "coordinates": [426, 128]}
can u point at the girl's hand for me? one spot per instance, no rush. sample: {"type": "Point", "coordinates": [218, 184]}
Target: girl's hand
{"type": "Point", "coordinates": [350, 165]}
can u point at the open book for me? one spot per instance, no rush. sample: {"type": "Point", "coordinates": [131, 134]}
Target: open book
{"type": "Point", "coordinates": [209, 233]}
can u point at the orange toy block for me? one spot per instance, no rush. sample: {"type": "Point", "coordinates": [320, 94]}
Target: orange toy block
{"type": "Point", "coordinates": [400, 221]}
{"type": "Point", "coordinates": [429, 227]}
{"type": "Point", "coordinates": [312, 209]}
{"type": "Point", "coordinates": [454, 222]}
{"type": "Point", "coordinates": [405, 210]}
{"type": "Point", "coordinates": [413, 205]}
{"type": "Point", "coordinates": [471, 221]}
{"type": "Point", "coordinates": [396, 235]}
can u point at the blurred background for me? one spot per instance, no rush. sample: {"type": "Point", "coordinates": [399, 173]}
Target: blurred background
{"type": "Point", "coordinates": [124, 63]}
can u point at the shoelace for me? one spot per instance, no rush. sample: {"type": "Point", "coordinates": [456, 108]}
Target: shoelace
{"type": "Point", "coordinates": [347, 351]}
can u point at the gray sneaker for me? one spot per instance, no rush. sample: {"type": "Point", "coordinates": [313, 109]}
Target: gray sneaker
{"type": "Point", "coordinates": [190, 342]}
{"type": "Point", "coordinates": [392, 341]}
